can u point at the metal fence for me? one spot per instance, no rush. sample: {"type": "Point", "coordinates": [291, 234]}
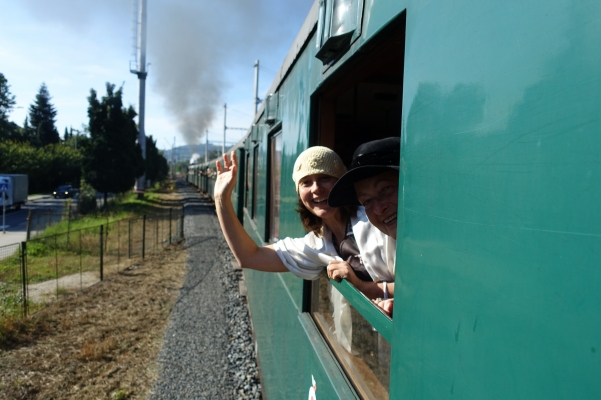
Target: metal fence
{"type": "Point", "coordinates": [40, 270]}
{"type": "Point", "coordinates": [40, 219]}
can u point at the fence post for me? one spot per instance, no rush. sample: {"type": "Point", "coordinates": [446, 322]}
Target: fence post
{"type": "Point", "coordinates": [28, 229]}
{"type": "Point", "coordinates": [181, 225]}
{"type": "Point", "coordinates": [24, 275]}
{"type": "Point", "coordinates": [118, 244]}
{"type": "Point", "coordinates": [101, 247]}
{"type": "Point", "coordinates": [80, 263]}
{"type": "Point", "coordinates": [156, 235]}
{"type": "Point", "coordinates": [68, 221]}
{"type": "Point", "coordinates": [143, 235]}
{"type": "Point", "coordinates": [129, 238]}
{"type": "Point", "coordinates": [170, 212]}
{"type": "Point", "coordinates": [56, 262]}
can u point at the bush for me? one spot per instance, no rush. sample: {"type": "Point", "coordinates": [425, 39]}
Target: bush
{"type": "Point", "coordinates": [87, 198]}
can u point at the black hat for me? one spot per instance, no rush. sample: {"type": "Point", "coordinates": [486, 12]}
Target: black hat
{"type": "Point", "coordinates": [370, 159]}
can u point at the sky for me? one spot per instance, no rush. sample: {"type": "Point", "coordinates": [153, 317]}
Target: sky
{"type": "Point", "coordinates": [200, 55]}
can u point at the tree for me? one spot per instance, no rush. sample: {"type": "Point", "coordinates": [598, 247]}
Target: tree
{"type": "Point", "coordinates": [42, 117]}
{"type": "Point", "coordinates": [73, 137]}
{"type": "Point", "coordinates": [157, 167]}
{"type": "Point", "coordinates": [7, 99]}
{"type": "Point", "coordinates": [8, 129]}
{"type": "Point", "coordinates": [27, 134]}
{"type": "Point", "coordinates": [47, 167]}
{"type": "Point", "coordinates": [112, 160]}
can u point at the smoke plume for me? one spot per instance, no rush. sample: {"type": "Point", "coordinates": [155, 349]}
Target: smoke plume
{"type": "Point", "coordinates": [193, 47]}
{"type": "Point", "coordinates": [193, 43]}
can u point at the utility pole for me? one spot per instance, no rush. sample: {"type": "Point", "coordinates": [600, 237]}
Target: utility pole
{"type": "Point", "coordinates": [141, 72]}
{"type": "Point", "coordinates": [173, 159]}
{"type": "Point", "coordinates": [224, 127]}
{"type": "Point", "coordinates": [256, 100]}
{"type": "Point", "coordinates": [206, 146]}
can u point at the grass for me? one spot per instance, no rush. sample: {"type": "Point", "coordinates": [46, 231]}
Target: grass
{"type": "Point", "coordinates": [11, 302]}
{"type": "Point", "coordinates": [125, 206]}
{"type": "Point", "coordinates": [100, 343]}
{"type": "Point", "coordinates": [71, 247]}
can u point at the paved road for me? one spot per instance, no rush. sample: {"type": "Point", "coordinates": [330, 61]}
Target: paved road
{"type": "Point", "coordinates": [16, 221]}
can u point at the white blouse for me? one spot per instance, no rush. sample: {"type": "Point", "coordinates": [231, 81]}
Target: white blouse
{"type": "Point", "coordinates": [306, 257]}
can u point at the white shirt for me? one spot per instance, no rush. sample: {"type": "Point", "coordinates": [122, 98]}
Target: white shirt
{"type": "Point", "coordinates": [306, 257]}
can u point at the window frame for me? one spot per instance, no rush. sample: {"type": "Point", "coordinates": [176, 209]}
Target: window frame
{"type": "Point", "coordinates": [374, 315]}
{"type": "Point", "coordinates": [255, 182]}
{"type": "Point", "coordinates": [247, 180]}
{"type": "Point", "coordinates": [273, 220]}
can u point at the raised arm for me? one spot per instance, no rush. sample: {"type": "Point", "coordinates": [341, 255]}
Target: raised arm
{"type": "Point", "coordinates": [246, 251]}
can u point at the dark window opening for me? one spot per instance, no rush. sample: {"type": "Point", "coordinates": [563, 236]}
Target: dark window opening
{"type": "Point", "coordinates": [364, 100]}
{"type": "Point", "coordinates": [255, 181]}
{"type": "Point", "coordinates": [275, 172]}
{"type": "Point", "coordinates": [241, 187]}
{"type": "Point", "coordinates": [247, 181]}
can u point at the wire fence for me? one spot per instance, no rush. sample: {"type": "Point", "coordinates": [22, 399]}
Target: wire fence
{"type": "Point", "coordinates": [41, 269]}
{"type": "Point", "coordinates": [40, 219]}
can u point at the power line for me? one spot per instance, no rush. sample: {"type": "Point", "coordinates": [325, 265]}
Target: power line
{"type": "Point", "coordinates": [238, 111]}
{"type": "Point", "coordinates": [268, 69]}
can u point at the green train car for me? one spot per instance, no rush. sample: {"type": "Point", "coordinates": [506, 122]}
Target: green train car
{"type": "Point", "coordinates": [498, 270]}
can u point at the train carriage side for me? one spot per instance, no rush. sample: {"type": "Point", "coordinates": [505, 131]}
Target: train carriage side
{"type": "Point", "coordinates": [499, 241]}
{"type": "Point", "coordinates": [499, 250]}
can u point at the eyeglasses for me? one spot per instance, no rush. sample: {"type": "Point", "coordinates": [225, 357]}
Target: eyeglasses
{"type": "Point", "coordinates": [383, 195]}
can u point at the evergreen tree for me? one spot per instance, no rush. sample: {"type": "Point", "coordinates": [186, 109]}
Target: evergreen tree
{"type": "Point", "coordinates": [8, 130]}
{"type": "Point", "coordinates": [28, 134]}
{"type": "Point", "coordinates": [7, 99]}
{"type": "Point", "coordinates": [113, 159]}
{"type": "Point", "coordinates": [157, 167]}
{"type": "Point", "coordinates": [42, 117]}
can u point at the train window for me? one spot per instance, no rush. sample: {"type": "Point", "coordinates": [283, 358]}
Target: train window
{"type": "Point", "coordinates": [255, 181]}
{"type": "Point", "coordinates": [362, 351]}
{"type": "Point", "coordinates": [247, 181]}
{"type": "Point", "coordinates": [275, 159]}
{"type": "Point", "coordinates": [359, 103]}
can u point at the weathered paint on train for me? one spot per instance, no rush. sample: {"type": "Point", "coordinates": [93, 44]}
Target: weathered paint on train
{"type": "Point", "coordinates": [499, 233]}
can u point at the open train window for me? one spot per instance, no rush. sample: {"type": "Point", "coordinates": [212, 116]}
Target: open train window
{"type": "Point", "coordinates": [275, 169]}
{"type": "Point", "coordinates": [361, 101]}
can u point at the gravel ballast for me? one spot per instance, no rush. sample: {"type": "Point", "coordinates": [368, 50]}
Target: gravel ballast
{"type": "Point", "coordinates": [208, 350]}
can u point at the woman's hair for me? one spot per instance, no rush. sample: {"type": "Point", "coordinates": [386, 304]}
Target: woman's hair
{"type": "Point", "coordinates": [313, 223]}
